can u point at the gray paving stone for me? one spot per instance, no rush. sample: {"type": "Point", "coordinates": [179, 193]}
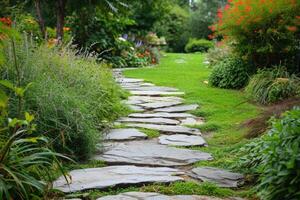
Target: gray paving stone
{"type": "Point", "coordinates": [167, 129]}
{"type": "Point", "coordinates": [152, 88]}
{"type": "Point", "coordinates": [125, 134]}
{"type": "Point", "coordinates": [99, 178]}
{"type": "Point", "coordinates": [162, 114]}
{"type": "Point", "coordinates": [154, 196]}
{"type": "Point", "coordinates": [192, 121]}
{"type": "Point", "coordinates": [149, 153]}
{"type": "Point", "coordinates": [182, 140]}
{"type": "Point", "coordinates": [220, 177]}
{"type": "Point", "coordinates": [136, 108]}
{"type": "Point", "coordinates": [129, 80]}
{"type": "Point", "coordinates": [153, 99]}
{"type": "Point", "coordinates": [155, 93]}
{"type": "Point", "coordinates": [159, 104]}
{"type": "Point", "coordinates": [161, 121]}
{"type": "Point", "coordinates": [182, 108]}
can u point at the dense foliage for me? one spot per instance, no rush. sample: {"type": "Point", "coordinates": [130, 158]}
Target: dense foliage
{"type": "Point", "coordinates": [272, 85]}
{"type": "Point", "coordinates": [72, 97]}
{"type": "Point", "coordinates": [266, 32]}
{"type": "Point", "coordinates": [195, 45]}
{"type": "Point", "coordinates": [231, 72]}
{"type": "Point", "coordinates": [275, 158]}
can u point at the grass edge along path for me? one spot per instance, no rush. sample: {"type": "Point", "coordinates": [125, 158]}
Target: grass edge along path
{"type": "Point", "coordinates": [224, 110]}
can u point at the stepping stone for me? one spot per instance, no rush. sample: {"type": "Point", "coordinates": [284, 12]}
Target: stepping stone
{"type": "Point", "coordinates": [161, 114]}
{"type": "Point", "coordinates": [173, 109]}
{"type": "Point", "coordinates": [125, 134]}
{"type": "Point", "coordinates": [154, 196]}
{"type": "Point", "coordinates": [129, 80]}
{"type": "Point", "coordinates": [182, 140]}
{"type": "Point", "coordinates": [155, 93]}
{"type": "Point", "coordinates": [167, 129]}
{"type": "Point", "coordinates": [220, 177]}
{"type": "Point", "coordinates": [149, 153]}
{"type": "Point", "coordinates": [192, 121]}
{"type": "Point", "coordinates": [133, 102]}
{"type": "Point", "coordinates": [106, 177]}
{"type": "Point", "coordinates": [151, 99]}
{"type": "Point", "coordinates": [153, 88]}
{"type": "Point", "coordinates": [160, 104]}
{"type": "Point", "coordinates": [136, 108]}
{"type": "Point", "coordinates": [162, 121]}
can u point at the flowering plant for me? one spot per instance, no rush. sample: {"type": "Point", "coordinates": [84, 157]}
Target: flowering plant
{"type": "Point", "coordinates": [265, 31]}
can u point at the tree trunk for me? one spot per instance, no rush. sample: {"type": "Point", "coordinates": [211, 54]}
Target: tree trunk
{"type": "Point", "coordinates": [61, 4]}
{"type": "Point", "coordinates": [40, 18]}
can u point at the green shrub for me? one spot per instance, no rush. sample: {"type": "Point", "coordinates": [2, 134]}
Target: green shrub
{"type": "Point", "coordinates": [195, 45]}
{"type": "Point", "coordinates": [217, 54]}
{"type": "Point", "coordinates": [73, 97]}
{"type": "Point", "coordinates": [267, 32]}
{"type": "Point", "coordinates": [231, 73]}
{"type": "Point", "coordinates": [275, 159]}
{"type": "Point", "coordinates": [272, 85]}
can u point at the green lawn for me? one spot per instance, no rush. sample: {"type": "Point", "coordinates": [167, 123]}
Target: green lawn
{"type": "Point", "coordinates": [224, 110]}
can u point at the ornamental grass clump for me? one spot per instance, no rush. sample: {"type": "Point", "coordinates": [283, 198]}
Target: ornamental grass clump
{"type": "Point", "coordinates": [267, 32]}
{"type": "Point", "coordinates": [73, 97]}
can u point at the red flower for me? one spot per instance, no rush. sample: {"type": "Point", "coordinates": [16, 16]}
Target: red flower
{"type": "Point", "coordinates": [211, 36]}
{"type": "Point", "coordinates": [292, 28]}
{"type": "Point", "coordinates": [6, 21]}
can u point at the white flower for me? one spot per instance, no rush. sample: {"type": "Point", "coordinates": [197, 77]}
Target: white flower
{"type": "Point", "coordinates": [132, 48]}
{"type": "Point", "coordinates": [122, 39]}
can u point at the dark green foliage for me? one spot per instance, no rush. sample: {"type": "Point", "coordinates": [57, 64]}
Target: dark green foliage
{"type": "Point", "coordinates": [195, 45]}
{"type": "Point", "coordinates": [272, 85]}
{"type": "Point", "coordinates": [173, 27]}
{"type": "Point", "coordinates": [202, 17]}
{"type": "Point", "coordinates": [73, 97]}
{"type": "Point", "coordinates": [275, 157]}
{"type": "Point", "coordinates": [231, 73]}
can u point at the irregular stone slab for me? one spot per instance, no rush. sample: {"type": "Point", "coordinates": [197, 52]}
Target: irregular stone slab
{"type": "Point", "coordinates": [133, 102]}
{"type": "Point", "coordinates": [154, 196]}
{"type": "Point", "coordinates": [161, 114]}
{"type": "Point", "coordinates": [149, 153]}
{"type": "Point", "coordinates": [220, 177]}
{"type": "Point", "coordinates": [160, 104]}
{"type": "Point", "coordinates": [155, 93]}
{"type": "Point", "coordinates": [153, 88]}
{"type": "Point", "coordinates": [182, 140]}
{"type": "Point", "coordinates": [136, 108]}
{"type": "Point", "coordinates": [162, 121]}
{"type": "Point", "coordinates": [125, 134]}
{"type": "Point", "coordinates": [152, 99]}
{"type": "Point", "coordinates": [129, 80]}
{"type": "Point", "coordinates": [190, 121]}
{"type": "Point", "coordinates": [183, 108]}
{"type": "Point", "coordinates": [167, 129]}
{"type": "Point", "coordinates": [99, 178]}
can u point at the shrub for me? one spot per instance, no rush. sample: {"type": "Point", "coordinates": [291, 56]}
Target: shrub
{"type": "Point", "coordinates": [272, 85]}
{"type": "Point", "coordinates": [231, 73]}
{"type": "Point", "coordinates": [267, 32]}
{"type": "Point", "coordinates": [195, 45]}
{"type": "Point", "coordinates": [217, 54]}
{"type": "Point", "coordinates": [73, 97]}
{"type": "Point", "coordinates": [275, 158]}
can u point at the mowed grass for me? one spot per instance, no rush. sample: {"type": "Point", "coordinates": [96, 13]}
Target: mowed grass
{"type": "Point", "coordinates": [224, 110]}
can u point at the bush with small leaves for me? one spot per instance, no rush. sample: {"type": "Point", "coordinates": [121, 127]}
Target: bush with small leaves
{"type": "Point", "coordinates": [195, 45]}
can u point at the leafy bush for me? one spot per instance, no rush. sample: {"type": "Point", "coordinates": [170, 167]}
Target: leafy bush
{"type": "Point", "coordinates": [173, 27]}
{"type": "Point", "coordinates": [195, 45]}
{"type": "Point", "coordinates": [217, 54]}
{"type": "Point", "coordinates": [275, 158]}
{"type": "Point", "coordinates": [230, 73]}
{"type": "Point", "coordinates": [271, 85]}
{"type": "Point", "coordinates": [73, 97]}
{"type": "Point", "coordinates": [267, 32]}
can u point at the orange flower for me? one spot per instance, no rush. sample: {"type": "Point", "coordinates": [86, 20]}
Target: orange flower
{"type": "Point", "coordinates": [6, 21]}
{"type": "Point", "coordinates": [66, 29]}
{"type": "Point", "coordinates": [292, 28]}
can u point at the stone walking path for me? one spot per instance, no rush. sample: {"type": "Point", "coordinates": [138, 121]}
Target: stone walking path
{"type": "Point", "coordinates": [135, 159]}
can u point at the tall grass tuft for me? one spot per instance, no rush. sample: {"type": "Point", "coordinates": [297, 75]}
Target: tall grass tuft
{"type": "Point", "coordinates": [73, 97]}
